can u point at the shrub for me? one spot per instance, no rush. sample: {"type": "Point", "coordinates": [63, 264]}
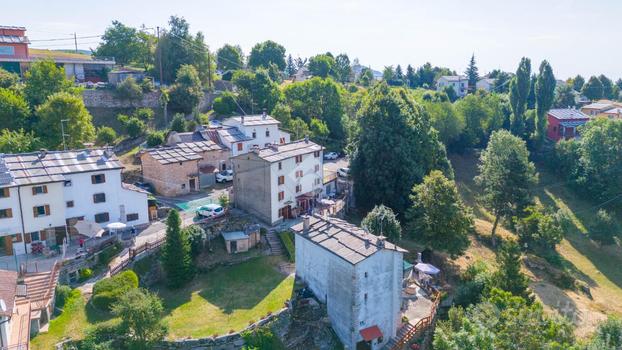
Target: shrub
{"type": "Point", "coordinates": [603, 227]}
{"type": "Point", "coordinates": [134, 127]}
{"type": "Point", "coordinates": [259, 338]}
{"type": "Point", "coordinates": [129, 89]}
{"type": "Point", "coordinates": [179, 123]}
{"type": "Point", "coordinates": [147, 85]}
{"type": "Point", "coordinates": [144, 114]}
{"type": "Point", "coordinates": [225, 104]}
{"type": "Point", "coordinates": [62, 293]}
{"type": "Point", "coordinates": [105, 135]}
{"type": "Point", "coordinates": [155, 138]}
{"type": "Point", "coordinates": [107, 291]}
{"type": "Point", "coordinates": [287, 238]}
{"type": "Point", "coordinates": [108, 253]}
{"type": "Point", "coordinates": [84, 274]}
{"type": "Point", "coordinates": [224, 200]}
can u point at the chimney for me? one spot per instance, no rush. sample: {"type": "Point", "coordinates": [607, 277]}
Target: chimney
{"type": "Point", "coordinates": [42, 153]}
{"type": "Point", "coordinates": [274, 147]}
{"type": "Point", "coordinates": [242, 119]}
{"type": "Point", "coordinates": [264, 114]}
{"type": "Point", "coordinates": [307, 139]}
{"type": "Point", "coordinates": [306, 223]}
{"type": "Point", "coordinates": [381, 241]}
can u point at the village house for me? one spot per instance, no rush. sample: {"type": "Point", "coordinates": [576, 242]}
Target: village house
{"type": "Point", "coordinates": [356, 274]}
{"type": "Point", "coordinates": [458, 82]}
{"type": "Point", "coordinates": [600, 107]}
{"type": "Point", "coordinates": [16, 56]}
{"type": "Point", "coordinates": [42, 193]}
{"type": "Point", "coordinates": [486, 84]}
{"type": "Point", "coordinates": [563, 123]}
{"type": "Point", "coordinates": [279, 181]}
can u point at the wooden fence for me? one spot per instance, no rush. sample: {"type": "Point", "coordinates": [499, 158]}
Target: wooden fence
{"type": "Point", "coordinates": [118, 265]}
{"type": "Point", "coordinates": [421, 325]}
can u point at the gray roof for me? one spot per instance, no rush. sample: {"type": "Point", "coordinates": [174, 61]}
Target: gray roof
{"type": "Point", "coordinates": [288, 150]}
{"type": "Point", "coordinates": [50, 166]}
{"type": "Point", "coordinates": [175, 154]}
{"type": "Point", "coordinates": [453, 77]}
{"type": "Point", "coordinates": [617, 110]}
{"type": "Point", "coordinates": [234, 236]}
{"type": "Point", "coordinates": [347, 241]}
{"type": "Point", "coordinates": [12, 28]}
{"type": "Point", "coordinates": [568, 114]}
{"type": "Point", "coordinates": [8, 285]}
{"type": "Point", "coordinates": [232, 135]}
{"type": "Point", "coordinates": [599, 105]}
{"type": "Point", "coordinates": [199, 146]}
{"type": "Point", "coordinates": [252, 120]}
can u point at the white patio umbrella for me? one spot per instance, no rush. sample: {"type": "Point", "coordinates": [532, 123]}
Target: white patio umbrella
{"type": "Point", "coordinates": [88, 228]}
{"type": "Point", "coordinates": [427, 268]}
{"type": "Point", "coordinates": [115, 226]}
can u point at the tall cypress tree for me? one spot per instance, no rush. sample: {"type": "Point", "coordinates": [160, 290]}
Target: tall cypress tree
{"type": "Point", "coordinates": [519, 89]}
{"type": "Point", "coordinates": [411, 77]}
{"type": "Point", "coordinates": [176, 254]}
{"type": "Point", "coordinates": [545, 95]}
{"type": "Point", "coordinates": [472, 75]}
{"type": "Point", "coordinates": [531, 97]}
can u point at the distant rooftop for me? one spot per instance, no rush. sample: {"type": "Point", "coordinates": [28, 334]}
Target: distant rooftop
{"type": "Point", "coordinates": [600, 105]}
{"type": "Point", "coordinates": [568, 114]}
{"type": "Point", "coordinates": [251, 120]}
{"type": "Point", "coordinates": [453, 77]}
{"type": "Point", "coordinates": [50, 166]}
{"type": "Point", "coordinates": [347, 241]}
{"type": "Point", "coordinates": [288, 150]}
{"type": "Point", "coordinates": [12, 28]}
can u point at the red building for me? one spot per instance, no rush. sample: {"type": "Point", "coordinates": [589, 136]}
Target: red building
{"type": "Point", "coordinates": [16, 56]}
{"type": "Point", "coordinates": [563, 123]}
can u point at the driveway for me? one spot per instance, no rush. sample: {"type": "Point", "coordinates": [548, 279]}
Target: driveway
{"type": "Point", "coordinates": [331, 166]}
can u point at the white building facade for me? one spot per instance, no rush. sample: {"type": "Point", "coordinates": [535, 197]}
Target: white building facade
{"type": "Point", "coordinates": [459, 83]}
{"type": "Point", "coordinates": [356, 274]}
{"type": "Point", "coordinates": [42, 193]}
{"type": "Point", "coordinates": [251, 131]}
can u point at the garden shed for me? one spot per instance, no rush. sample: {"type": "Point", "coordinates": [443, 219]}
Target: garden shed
{"type": "Point", "coordinates": [241, 241]}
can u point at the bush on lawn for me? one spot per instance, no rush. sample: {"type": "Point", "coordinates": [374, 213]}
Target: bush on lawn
{"type": "Point", "coordinates": [107, 291]}
{"type": "Point", "coordinates": [84, 274]}
{"type": "Point", "coordinates": [62, 293]}
{"type": "Point", "coordinates": [260, 338]}
{"type": "Point", "coordinates": [287, 238]}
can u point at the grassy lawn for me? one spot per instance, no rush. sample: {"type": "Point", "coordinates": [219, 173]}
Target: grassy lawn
{"type": "Point", "coordinates": [75, 320]}
{"type": "Point", "coordinates": [598, 266]}
{"type": "Point", "coordinates": [226, 298]}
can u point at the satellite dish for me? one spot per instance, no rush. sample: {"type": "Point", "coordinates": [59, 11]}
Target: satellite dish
{"type": "Point", "coordinates": [2, 305]}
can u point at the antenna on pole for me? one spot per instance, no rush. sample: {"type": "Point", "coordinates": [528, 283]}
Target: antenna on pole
{"type": "Point", "coordinates": [62, 131]}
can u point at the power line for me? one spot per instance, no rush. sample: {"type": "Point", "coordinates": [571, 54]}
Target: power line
{"type": "Point", "coordinates": [67, 39]}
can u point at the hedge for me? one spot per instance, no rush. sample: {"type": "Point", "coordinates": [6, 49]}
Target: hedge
{"type": "Point", "coordinates": [287, 238]}
{"type": "Point", "coordinates": [107, 291]}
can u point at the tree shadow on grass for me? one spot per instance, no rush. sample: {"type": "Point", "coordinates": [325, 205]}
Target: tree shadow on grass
{"type": "Point", "coordinates": [94, 315]}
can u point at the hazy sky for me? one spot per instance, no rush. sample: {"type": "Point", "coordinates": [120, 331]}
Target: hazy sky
{"type": "Point", "coordinates": [582, 37]}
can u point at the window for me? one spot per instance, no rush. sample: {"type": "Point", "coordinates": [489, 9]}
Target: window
{"type": "Point", "coordinates": [240, 146]}
{"type": "Point", "coordinates": [69, 204]}
{"type": "Point", "coordinates": [316, 154]}
{"type": "Point", "coordinates": [317, 168]}
{"type": "Point", "coordinates": [67, 183]}
{"type": "Point", "coordinates": [365, 297]}
{"type": "Point", "coordinates": [281, 195]}
{"type": "Point", "coordinates": [99, 198]}
{"type": "Point", "coordinates": [132, 217]}
{"type": "Point", "coordinates": [298, 188]}
{"type": "Point", "coordinates": [98, 179]}
{"type": "Point", "coordinates": [267, 133]}
{"type": "Point", "coordinates": [280, 166]}
{"type": "Point", "coordinates": [365, 274]}
{"type": "Point", "coordinates": [299, 159]}
{"type": "Point", "coordinates": [282, 140]}
{"type": "Point", "coordinates": [183, 186]}
{"type": "Point", "coordinates": [41, 210]}
{"type": "Point", "coordinates": [6, 213]}
{"type": "Point", "coordinates": [39, 190]}
{"type": "Point", "coordinates": [5, 193]}
{"type": "Point", "coordinates": [254, 134]}
{"type": "Point", "coordinates": [298, 173]}
{"type": "Point", "coordinates": [281, 180]}
{"type": "Point", "coordinates": [102, 217]}
{"type": "Point", "coordinates": [317, 181]}
{"type": "Point", "coordinates": [35, 236]}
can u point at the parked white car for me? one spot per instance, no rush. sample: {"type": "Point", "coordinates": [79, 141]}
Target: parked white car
{"type": "Point", "coordinates": [331, 156]}
{"type": "Point", "coordinates": [224, 176]}
{"type": "Point", "coordinates": [211, 210]}
{"type": "Point", "coordinates": [343, 172]}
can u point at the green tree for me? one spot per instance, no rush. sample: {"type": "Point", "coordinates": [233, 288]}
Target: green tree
{"type": "Point", "coordinates": [608, 335]}
{"type": "Point", "coordinates": [256, 90]}
{"type": "Point", "coordinates": [342, 68]}
{"type": "Point", "coordinates": [505, 177]}
{"type": "Point", "coordinates": [403, 126]}
{"type": "Point", "coordinates": [577, 83]}
{"type": "Point", "coordinates": [319, 130]}
{"type": "Point", "coordinates": [141, 313]}
{"type": "Point", "coordinates": [446, 120]}
{"type": "Point", "coordinates": [18, 141]}
{"type": "Point", "coordinates": [564, 97]}
{"type": "Point", "coordinates": [283, 113]}
{"type": "Point", "coordinates": [129, 90]}
{"type": "Point", "coordinates": [607, 86]}
{"type": "Point", "coordinates": [381, 221]}
{"type": "Point", "coordinates": [472, 75]}
{"type": "Point", "coordinates": [78, 126]}
{"type": "Point", "coordinates": [388, 74]}
{"type": "Point", "coordinates": [176, 255]}
{"type": "Point", "coordinates": [225, 104]}
{"type": "Point", "coordinates": [476, 114]}
{"type": "Point", "coordinates": [509, 277]}
{"type": "Point", "coordinates": [229, 58]}
{"type": "Point", "coordinates": [14, 111]}
{"type": "Point", "coordinates": [437, 217]}
{"type": "Point", "coordinates": [126, 44]}
{"type": "Point", "coordinates": [593, 89]}
{"type": "Point", "coordinates": [411, 77]}
{"type": "Point", "coordinates": [155, 138]}
{"type": "Point", "coordinates": [531, 97]}
{"type": "Point", "coordinates": [134, 127]}
{"type": "Point", "coordinates": [179, 123]}
{"type": "Point", "coordinates": [299, 129]}
{"type": "Point", "coordinates": [43, 79]}
{"type": "Point", "coordinates": [105, 136]}
{"type": "Point", "coordinates": [603, 228]}
{"type": "Point", "coordinates": [502, 82]}
{"type": "Point", "coordinates": [538, 229]}
{"type": "Point", "coordinates": [290, 68]}
{"type": "Point", "coordinates": [545, 95]}
{"type": "Point", "coordinates": [264, 53]}
{"type": "Point", "coordinates": [366, 77]}
{"type": "Point", "coordinates": [519, 90]}
{"type": "Point", "coordinates": [321, 65]}
{"type": "Point", "coordinates": [7, 79]}
{"type": "Point", "coordinates": [187, 92]}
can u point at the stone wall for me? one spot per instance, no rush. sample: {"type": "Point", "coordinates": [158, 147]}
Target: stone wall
{"type": "Point", "coordinates": [100, 98]}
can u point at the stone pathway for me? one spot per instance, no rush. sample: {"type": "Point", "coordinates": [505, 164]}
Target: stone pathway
{"type": "Point", "coordinates": [274, 242]}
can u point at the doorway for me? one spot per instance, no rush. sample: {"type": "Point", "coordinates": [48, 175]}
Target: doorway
{"type": "Point", "coordinates": [234, 246]}
{"type": "Point", "coordinates": [193, 184]}
{"type": "Point", "coordinates": [363, 345]}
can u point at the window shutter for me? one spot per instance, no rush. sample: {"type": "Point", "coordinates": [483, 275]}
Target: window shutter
{"type": "Point", "coordinates": [47, 209]}
{"type": "Point", "coordinates": [34, 191]}
{"type": "Point", "coordinates": [45, 189]}
{"type": "Point", "coordinates": [27, 238]}
{"type": "Point", "coordinates": [34, 212]}
{"type": "Point", "coordinates": [9, 213]}
{"type": "Point", "coordinates": [44, 235]}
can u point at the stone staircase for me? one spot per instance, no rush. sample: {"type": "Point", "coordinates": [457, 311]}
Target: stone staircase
{"type": "Point", "coordinates": [276, 248]}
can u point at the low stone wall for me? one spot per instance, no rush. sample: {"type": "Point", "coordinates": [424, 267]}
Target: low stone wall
{"type": "Point", "coordinates": [231, 341]}
{"type": "Point", "coordinates": [100, 98]}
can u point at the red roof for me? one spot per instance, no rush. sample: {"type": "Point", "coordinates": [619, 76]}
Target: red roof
{"type": "Point", "coordinates": [371, 333]}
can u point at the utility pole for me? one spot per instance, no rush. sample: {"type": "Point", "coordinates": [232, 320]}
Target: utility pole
{"type": "Point", "coordinates": [159, 55]}
{"type": "Point", "coordinates": [75, 41]}
{"type": "Point", "coordinates": [62, 130]}
{"type": "Point", "coordinates": [209, 70]}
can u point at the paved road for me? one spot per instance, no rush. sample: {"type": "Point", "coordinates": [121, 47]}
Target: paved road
{"type": "Point", "coordinates": [331, 166]}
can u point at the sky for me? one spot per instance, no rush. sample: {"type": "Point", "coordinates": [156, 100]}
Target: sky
{"type": "Point", "coordinates": [576, 37]}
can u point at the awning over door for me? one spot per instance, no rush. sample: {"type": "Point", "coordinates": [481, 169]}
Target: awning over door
{"type": "Point", "coordinates": [371, 333]}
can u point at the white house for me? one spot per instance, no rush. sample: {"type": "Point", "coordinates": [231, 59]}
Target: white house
{"type": "Point", "coordinates": [486, 84]}
{"type": "Point", "coordinates": [279, 181]}
{"type": "Point", "coordinates": [42, 193]}
{"type": "Point", "coordinates": [356, 274]}
{"type": "Point", "coordinates": [241, 133]}
{"type": "Point", "coordinates": [459, 83]}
